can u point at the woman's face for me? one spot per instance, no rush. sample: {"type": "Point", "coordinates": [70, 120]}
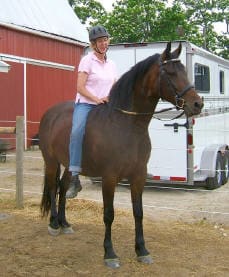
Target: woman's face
{"type": "Point", "coordinates": [102, 44]}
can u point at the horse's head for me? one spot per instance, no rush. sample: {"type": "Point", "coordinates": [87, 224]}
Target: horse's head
{"type": "Point", "coordinates": [174, 84]}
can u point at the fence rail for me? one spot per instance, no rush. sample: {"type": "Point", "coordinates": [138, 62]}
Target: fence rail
{"type": "Point", "coordinates": [19, 131]}
{"type": "Point", "coordinates": [7, 130]}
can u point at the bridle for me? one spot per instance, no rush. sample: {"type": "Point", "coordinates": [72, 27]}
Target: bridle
{"type": "Point", "coordinates": [179, 101]}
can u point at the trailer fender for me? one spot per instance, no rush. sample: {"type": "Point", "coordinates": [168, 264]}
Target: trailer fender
{"type": "Point", "coordinates": [208, 159]}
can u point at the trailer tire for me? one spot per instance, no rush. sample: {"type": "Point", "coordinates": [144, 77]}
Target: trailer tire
{"type": "Point", "coordinates": [226, 167]}
{"type": "Point", "coordinates": [217, 180]}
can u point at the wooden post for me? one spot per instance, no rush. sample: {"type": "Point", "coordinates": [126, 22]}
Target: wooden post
{"type": "Point", "coordinates": [19, 160]}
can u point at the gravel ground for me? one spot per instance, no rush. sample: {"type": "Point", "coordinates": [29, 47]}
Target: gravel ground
{"type": "Point", "coordinates": [186, 231]}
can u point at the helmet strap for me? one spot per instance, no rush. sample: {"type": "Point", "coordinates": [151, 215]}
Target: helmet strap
{"type": "Point", "coordinates": [97, 50]}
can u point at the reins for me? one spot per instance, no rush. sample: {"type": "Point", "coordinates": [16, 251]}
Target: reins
{"type": "Point", "coordinates": [163, 110]}
{"type": "Point", "coordinates": [152, 114]}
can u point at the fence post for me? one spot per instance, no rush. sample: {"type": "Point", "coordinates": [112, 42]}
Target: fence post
{"type": "Point", "coordinates": [19, 160]}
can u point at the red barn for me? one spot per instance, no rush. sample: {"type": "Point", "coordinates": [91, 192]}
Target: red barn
{"type": "Point", "coordinates": [43, 42]}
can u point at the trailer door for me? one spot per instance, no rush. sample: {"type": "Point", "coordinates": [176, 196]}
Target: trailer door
{"type": "Point", "coordinates": [168, 159]}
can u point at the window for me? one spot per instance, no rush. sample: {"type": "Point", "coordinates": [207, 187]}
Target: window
{"type": "Point", "coordinates": [221, 82]}
{"type": "Point", "coordinates": [202, 78]}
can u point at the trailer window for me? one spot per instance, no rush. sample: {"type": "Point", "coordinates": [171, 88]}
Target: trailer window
{"type": "Point", "coordinates": [202, 78]}
{"type": "Point", "coordinates": [221, 82]}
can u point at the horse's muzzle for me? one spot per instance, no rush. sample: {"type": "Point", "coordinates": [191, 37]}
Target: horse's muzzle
{"type": "Point", "coordinates": [195, 108]}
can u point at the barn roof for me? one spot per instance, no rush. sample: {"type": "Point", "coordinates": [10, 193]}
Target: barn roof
{"type": "Point", "coordinates": [55, 17]}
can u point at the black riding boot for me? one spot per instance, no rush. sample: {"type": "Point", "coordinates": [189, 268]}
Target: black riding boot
{"type": "Point", "coordinates": [74, 187]}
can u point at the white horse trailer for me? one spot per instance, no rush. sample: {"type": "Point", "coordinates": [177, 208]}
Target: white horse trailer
{"type": "Point", "coordinates": [186, 151]}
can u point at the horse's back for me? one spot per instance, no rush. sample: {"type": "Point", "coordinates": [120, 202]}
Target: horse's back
{"type": "Point", "coordinates": [54, 132]}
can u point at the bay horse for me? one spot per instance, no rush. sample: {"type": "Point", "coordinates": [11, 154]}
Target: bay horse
{"type": "Point", "coordinates": [116, 142]}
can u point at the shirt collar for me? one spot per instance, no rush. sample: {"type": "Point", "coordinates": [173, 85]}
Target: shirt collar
{"type": "Point", "coordinates": [94, 57]}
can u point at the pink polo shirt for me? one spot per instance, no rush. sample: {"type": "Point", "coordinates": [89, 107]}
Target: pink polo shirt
{"type": "Point", "coordinates": [101, 76]}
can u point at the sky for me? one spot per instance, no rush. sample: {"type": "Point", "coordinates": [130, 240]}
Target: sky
{"type": "Point", "coordinates": [107, 4]}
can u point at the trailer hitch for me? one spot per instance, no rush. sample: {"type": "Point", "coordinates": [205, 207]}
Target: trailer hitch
{"type": "Point", "coordinates": [177, 125]}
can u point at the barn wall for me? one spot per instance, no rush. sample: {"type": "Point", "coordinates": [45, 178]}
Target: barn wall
{"type": "Point", "coordinates": [11, 92]}
{"type": "Point", "coordinates": [45, 86]}
{"type": "Point", "coordinates": [46, 93]}
{"type": "Point", "coordinates": [11, 99]}
{"type": "Point", "coordinates": [24, 44]}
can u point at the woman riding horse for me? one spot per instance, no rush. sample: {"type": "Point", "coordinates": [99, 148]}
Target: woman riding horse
{"type": "Point", "coordinates": [116, 143]}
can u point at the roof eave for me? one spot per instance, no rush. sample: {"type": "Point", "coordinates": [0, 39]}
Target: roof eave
{"type": "Point", "coordinates": [43, 34]}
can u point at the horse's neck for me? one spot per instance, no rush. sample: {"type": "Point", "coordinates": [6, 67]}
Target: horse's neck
{"type": "Point", "coordinates": [144, 107]}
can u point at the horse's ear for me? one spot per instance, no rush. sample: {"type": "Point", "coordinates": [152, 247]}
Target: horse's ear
{"type": "Point", "coordinates": [176, 53]}
{"type": "Point", "coordinates": [166, 54]}
{"type": "Point", "coordinates": [168, 47]}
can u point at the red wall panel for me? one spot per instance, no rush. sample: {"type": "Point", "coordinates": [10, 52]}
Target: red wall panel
{"type": "Point", "coordinates": [45, 86]}
{"type": "Point", "coordinates": [11, 99]}
{"type": "Point", "coordinates": [11, 93]}
{"type": "Point", "coordinates": [37, 47]}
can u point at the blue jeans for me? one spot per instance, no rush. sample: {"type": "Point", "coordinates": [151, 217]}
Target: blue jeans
{"type": "Point", "coordinates": [79, 120]}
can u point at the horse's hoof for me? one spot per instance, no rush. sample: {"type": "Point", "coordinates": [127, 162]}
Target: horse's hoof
{"type": "Point", "coordinates": [67, 230]}
{"type": "Point", "coordinates": [53, 232]}
{"type": "Point", "coordinates": [112, 263]}
{"type": "Point", "coordinates": [145, 259]}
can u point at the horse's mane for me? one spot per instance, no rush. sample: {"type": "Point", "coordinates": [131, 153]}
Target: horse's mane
{"type": "Point", "coordinates": [122, 92]}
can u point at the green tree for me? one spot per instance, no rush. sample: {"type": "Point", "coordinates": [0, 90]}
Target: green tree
{"type": "Point", "coordinates": [172, 24]}
{"type": "Point", "coordinates": [131, 21]}
{"type": "Point", "coordinates": [153, 20]}
{"type": "Point", "coordinates": [223, 49]}
{"type": "Point", "coordinates": [204, 14]}
{"type": "Point", "coordinates": [88, 11]}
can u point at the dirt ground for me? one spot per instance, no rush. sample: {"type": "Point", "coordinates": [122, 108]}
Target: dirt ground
{"type": "Point", "coordinates": [186, 231]}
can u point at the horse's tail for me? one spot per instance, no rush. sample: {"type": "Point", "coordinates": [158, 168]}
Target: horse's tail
{"type": "Point", "coordinates": [46, 197]}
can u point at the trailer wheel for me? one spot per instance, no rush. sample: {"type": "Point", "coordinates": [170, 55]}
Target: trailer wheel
{"type": "Point", "coordinates": [217, 180]}
{"type": "Point", "coordinates": [225, 167]}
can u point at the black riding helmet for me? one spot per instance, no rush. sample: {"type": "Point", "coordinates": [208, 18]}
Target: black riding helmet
{"type": "Point", "coordinates": [97, 32]}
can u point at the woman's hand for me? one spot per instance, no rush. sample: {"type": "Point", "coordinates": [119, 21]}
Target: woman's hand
{"type": "Point", "coordinates": [100, 100]}
{"type": "Point", "coordinates": [105, 99]}
{"type": "Point", "coordinates": [81, 88]}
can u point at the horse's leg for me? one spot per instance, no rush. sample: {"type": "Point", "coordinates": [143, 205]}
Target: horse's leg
{"type": "Point", "coordinates": [52, 173]}
{"type": "Point", "coordinates": [64, 182]}
{"type": "Point", "coordinates": [108, 188]}
{"type": "Point", "coordinates": [137, 185]}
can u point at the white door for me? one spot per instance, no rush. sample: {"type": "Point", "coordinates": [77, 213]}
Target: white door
{"type": "Point", "coordinates": [168, 159]}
